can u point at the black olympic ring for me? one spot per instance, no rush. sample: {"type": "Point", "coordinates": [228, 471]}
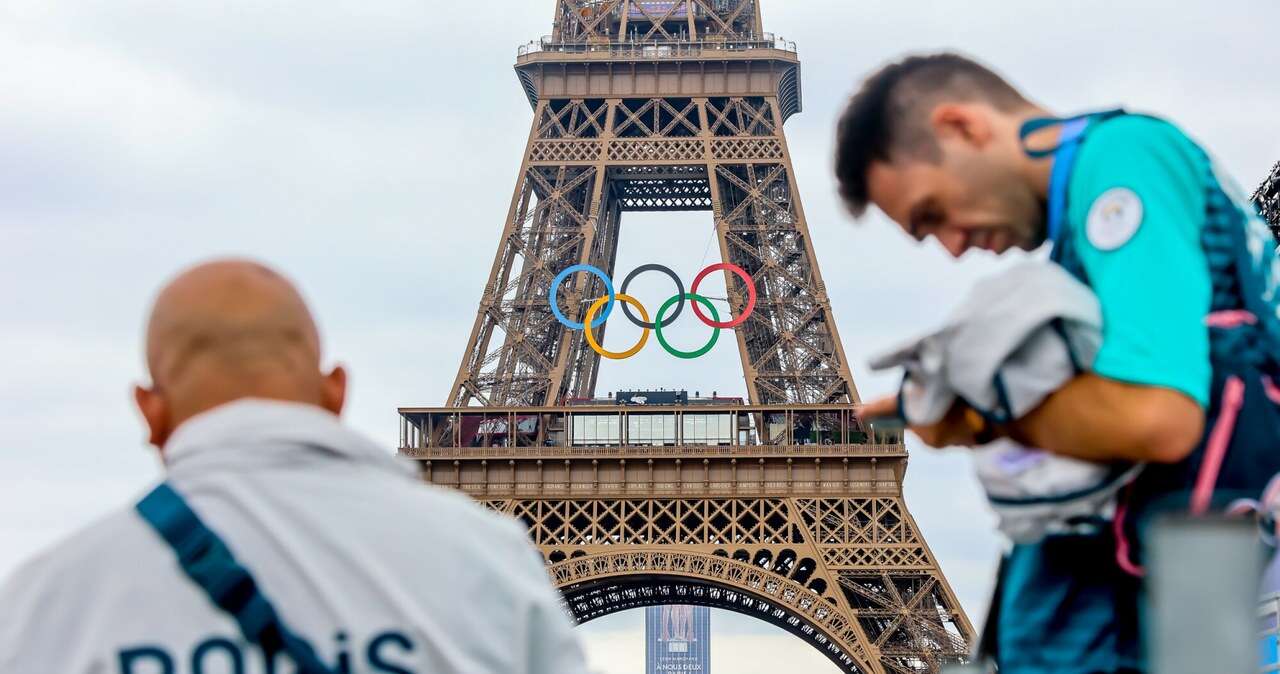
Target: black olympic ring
{"type": "Point", "coordinates": [679, 293]}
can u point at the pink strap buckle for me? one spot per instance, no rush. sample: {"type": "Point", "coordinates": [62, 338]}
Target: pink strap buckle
{"type": "Point", "coordinates": [1231, 318]}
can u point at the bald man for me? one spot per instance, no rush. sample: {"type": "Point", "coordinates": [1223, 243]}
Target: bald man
{"type": "Point", "coordinates": [280, 540]}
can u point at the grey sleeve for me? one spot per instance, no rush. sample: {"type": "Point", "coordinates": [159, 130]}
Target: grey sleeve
{"type": "Point", "coordinates": [551, 645]}
{"type": "Point", "coordinates": [36, 633]}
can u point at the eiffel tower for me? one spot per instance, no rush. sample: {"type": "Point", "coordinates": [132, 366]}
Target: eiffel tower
{"type": "Point", "coordinates": [783, 506]}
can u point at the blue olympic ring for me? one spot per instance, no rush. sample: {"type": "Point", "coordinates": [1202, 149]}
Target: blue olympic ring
{"type": "Point", "coordinates": [555, 286]}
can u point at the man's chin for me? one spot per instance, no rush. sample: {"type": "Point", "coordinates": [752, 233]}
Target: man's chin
{"type": "Point", "coordinates": [998, 242]}
{"type": "Point", "coordinates": [1009, 239]}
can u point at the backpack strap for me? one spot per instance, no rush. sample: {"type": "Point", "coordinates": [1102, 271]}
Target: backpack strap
{"type": "Point", "coordinates": [1218, 441]}
{"type": "Point", "coordinates": [209, 563]}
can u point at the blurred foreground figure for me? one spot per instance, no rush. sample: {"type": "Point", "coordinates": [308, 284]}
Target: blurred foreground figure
{"type": "Point", "coordinates": [1187, 376]}
{"type": "Point", "coordinates": [279, 536]}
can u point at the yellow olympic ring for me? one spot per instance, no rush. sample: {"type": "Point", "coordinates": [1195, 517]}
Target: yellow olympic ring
{"type": "Point", "coordinates": [591, 338]}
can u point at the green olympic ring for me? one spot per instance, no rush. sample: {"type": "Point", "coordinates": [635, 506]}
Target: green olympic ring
{"type": "Point", "coordinates": [657, 326]}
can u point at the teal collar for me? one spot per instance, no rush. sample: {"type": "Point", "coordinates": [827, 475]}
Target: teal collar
{"type": "Point", "coordinates": [1074, 130]}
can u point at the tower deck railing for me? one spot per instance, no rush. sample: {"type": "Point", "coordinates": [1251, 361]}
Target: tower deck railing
{"type": "Point", "coordinates": [703, 430]}
{"type": "Point", "coordinates": [656, 49]}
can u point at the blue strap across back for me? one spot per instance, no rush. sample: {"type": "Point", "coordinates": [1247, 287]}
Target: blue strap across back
{"type": "Point", "coordinates": [208, 562]}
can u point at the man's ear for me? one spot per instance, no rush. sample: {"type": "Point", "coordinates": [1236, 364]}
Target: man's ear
{"type": "Point", "coordinates": [155, 411]}
{"type": "Point", "coordinates": [966, 122]}
{"type": "Point", "coordinates": [333, 390]}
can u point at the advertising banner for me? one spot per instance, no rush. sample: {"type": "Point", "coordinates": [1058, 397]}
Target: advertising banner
{"type": "Point", "coordinates": [677, 640]}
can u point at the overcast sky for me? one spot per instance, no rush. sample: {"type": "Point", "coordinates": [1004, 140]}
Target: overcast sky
{"type": "Point", "coordinates": [368, 149]}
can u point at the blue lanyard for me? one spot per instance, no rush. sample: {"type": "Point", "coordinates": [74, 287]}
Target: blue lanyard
{"type": "Point", "coordinates": [1064, 158]}
{"type": "Point", "coordinates": [1063, 162]}
{"type": "Point", "coordinates": [209, 563]}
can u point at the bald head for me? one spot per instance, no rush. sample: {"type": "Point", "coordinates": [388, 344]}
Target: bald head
{"type": "Point", "coordinates": [227, 330]}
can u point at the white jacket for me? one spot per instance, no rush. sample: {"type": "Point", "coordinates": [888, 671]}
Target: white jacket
{"type": "Point", "coordinates": [381, 573]}
{"type": "Point", "coordinates": [1001, 353]}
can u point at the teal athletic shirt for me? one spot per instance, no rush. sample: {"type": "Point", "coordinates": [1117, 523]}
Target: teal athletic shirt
{"type": "Point", "coordinates": [1136, 212]}
{"type": "Point", "coordinates": [1135, 217]}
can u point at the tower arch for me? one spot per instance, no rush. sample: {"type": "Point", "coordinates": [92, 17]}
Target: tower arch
{"type": "Point", "coordinates": [599, 585]}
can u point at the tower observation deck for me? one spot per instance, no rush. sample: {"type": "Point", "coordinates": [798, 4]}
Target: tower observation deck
{"type": "Point", "coordinates": [662, 31]}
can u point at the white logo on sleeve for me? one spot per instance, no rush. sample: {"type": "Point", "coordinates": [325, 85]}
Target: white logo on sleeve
{"type": "Point", "coordinates": [1114, 218]}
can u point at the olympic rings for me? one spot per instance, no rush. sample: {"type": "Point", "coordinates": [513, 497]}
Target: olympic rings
{"type": "Point", "coordinates": [555, 286]}
{"type": "Point", "coordinates": [751, 295]}
{"type": "Point", "coordinates": [591, 337]}
{"type": "Point", "coordinates": [679, 291]}
{"type": "Point", "coordinates": [687, 355]}
{"type": "Point", "coordinates": [661, 320]}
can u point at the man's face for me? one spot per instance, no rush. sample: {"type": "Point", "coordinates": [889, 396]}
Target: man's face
{"type": "Point", "coordinates": [975, 197]}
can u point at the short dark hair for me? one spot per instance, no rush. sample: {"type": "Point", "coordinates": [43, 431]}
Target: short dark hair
{"type": "Point", "coordinates": [889, 115]}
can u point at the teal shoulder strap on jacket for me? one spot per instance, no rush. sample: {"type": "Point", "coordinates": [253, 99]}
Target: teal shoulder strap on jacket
{"type": "Point", "coordinates": [208, 562]}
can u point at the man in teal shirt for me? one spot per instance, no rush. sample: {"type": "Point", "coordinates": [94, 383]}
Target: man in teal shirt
{"type": "Point", "coordinates": [1188, 375]}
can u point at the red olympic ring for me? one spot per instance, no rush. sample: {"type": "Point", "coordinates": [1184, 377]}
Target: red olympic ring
{"type": "Point", "coordinates": [751, 295]}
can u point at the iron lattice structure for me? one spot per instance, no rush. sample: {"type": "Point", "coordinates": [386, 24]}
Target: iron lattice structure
{"type": "Point", "coordinates": [653, 106]}
{"type": "Point", "coordinates": [792, 514]}
{"type": "Point", "coordinates": [795, 513]}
